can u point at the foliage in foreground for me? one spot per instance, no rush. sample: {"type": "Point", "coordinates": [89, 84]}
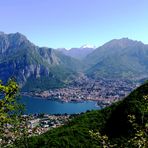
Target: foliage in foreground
{"type": "Point", "coordinates": [10, 114]}
{"type": "Point", "coordinates": [137, 140]}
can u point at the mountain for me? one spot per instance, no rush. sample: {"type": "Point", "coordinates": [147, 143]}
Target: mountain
{"type": "Point", "coordinates": [119, 58]}
{"type": "Point", "coordinates": [112, 121]}
{"type": "Point", "coordinates": [78, 53]}
{"type": "Point", "coordinates": [43, 68]}
{"type": "Point", "coordinates": [32, 66]}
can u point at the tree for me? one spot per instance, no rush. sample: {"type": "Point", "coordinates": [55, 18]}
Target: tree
{"type": "Point", "coordinates": [101, 140]}
{"type": "Point", "coordinates": [10, 112]}
{"type": "Point", "coordinates": [138, 137]}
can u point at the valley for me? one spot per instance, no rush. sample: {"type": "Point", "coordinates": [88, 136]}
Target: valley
{"type": "Point", "coordinates": [84, 89]}
{"type": "Point", "coordinates": [73, 74]}
{"type": "Point", "coordinates": [105, 74]}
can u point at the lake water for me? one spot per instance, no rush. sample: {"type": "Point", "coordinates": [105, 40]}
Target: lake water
{"type": "Point", "coordinates": [38, 105]}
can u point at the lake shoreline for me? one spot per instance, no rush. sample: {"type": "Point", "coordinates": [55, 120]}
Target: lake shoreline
{"type": "Point", "coordinates": [37, 105]}
{"type": "Point", "coordinates": [57, 99]}
{"type": "Point", "coordinates": [99, 101]}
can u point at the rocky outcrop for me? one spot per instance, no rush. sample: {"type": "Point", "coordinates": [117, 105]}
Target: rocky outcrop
{"type": "Point", "coordinates": [23, 60]}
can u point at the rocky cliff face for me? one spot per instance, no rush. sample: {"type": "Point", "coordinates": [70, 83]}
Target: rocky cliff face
{"type": "Point", "coordinates": [23, 60]}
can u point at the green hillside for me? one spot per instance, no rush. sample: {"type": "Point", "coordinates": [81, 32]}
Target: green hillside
{"type": "Point", "coordinates": [112, 121]}
{"type": "Point", "coordinates": [122, 58]}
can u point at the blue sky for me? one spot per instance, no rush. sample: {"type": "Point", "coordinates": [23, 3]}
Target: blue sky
{"type": "Point", "coordinates": [72, 23]}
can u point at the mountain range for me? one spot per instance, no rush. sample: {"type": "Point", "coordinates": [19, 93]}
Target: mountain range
{"type": "Point", "coordinates": [78, 53]}
{"type": "Point", "coordinates": [44, 68]}
{"type": "Point", "coordinates": [118, 58]}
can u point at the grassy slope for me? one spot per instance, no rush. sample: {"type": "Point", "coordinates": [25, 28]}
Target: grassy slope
{"type": "Point", "coordinates": [112, 121]}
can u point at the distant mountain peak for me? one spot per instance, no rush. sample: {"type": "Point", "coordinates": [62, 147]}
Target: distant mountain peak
{"type": "Point", "coordinates": [78, 53]}
{"type": "Point", "coordinates": [88, 46]}
{"type": "Point", "coordinates": [122, 42]}
{"type": "Point", "coordinates": [1, 33]}
{"type": "Point", "coordinates": [127, 39]}
{"type": "Point", "coordinates": [33, 67]}
{"type": "Point", "coordinates": [122, 58]}
{"type": "Point", "coordinates": [12, 34]}
{"type": "Point", "coordinates": [18, 35]}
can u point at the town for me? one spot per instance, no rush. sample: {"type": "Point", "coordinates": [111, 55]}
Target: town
{"type": "Point", "coordinates": [84, 88]}
{"type": "Point", "coordinates": [36, 124]}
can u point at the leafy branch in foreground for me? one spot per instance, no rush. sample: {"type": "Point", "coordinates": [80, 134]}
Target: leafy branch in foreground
{"type": "Point", "coordinates": [138, 136]}
{"type": "Point", "coordinates": [10, 113]}
{"type": "Point", "coordinates": [102, 140]}
{"type": "Point", "coordinates": [139, 140]}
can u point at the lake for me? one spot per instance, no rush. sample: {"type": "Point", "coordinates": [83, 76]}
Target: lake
{"type": "Point", "coordinates": [35, 105]}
